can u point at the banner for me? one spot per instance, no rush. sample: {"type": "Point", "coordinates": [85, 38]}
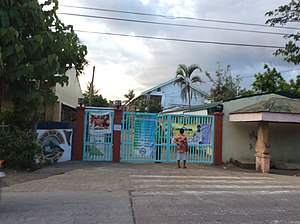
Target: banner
{"type": "Point", "coordinates": [100, 123]}
{"type": "Point", "coordinates": [189, 131]}
{"type": "Point", "coordinates": [56, 143]}
{"type": "Point", "coordinates": [144, 133]}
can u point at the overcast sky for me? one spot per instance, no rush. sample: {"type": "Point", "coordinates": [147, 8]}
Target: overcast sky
{"type": "Point", "coordinates": [124, 63]}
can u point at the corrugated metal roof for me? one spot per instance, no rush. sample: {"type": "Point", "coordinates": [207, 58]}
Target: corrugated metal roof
{"type": "Point", "coordinates": [273, 105]}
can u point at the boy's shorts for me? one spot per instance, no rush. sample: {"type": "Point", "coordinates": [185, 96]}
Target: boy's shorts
{"type": "Point", "coordinates": [181, 155]}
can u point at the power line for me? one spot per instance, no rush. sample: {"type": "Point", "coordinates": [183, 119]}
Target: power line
{"type": "Point", "coordinates": [172, 24]}
{"type": "Point", "coordinates": [183, 40]}
{"type": "Point", "coordinates": [179, 17]}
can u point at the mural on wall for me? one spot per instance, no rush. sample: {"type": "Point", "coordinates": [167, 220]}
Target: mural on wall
{"type": "Point", "coordinates": [100, 130]}
{"type": "Point", "coordinates": [144, 133]}
{"type": "Point", "coordinates": [56, 145]}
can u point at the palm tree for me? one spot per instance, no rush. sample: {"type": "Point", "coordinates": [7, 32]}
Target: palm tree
{"type": "Point", "coordinates": [129, 96]}
{"type": "Point", "coordinates": [185, 79]}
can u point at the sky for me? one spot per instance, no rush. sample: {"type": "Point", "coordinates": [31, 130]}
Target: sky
{"type": "Point", "coordinates": [129, 62]}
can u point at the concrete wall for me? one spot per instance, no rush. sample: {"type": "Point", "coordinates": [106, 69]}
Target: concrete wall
{"type": "Point", "coordinates": [285, 142]}
{"type": "Point", "coordinates": [239, 138]}
{"type": "Point", "coordinates": [69, 94]}
{"type": "Point", "coordinates": [171, 96]}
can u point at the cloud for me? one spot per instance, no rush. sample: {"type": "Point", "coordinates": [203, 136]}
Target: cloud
{"type": "Point", "coordinates": [124, 63]}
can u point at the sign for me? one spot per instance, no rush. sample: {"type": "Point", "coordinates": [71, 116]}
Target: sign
{"type": "Point", "coordinates": [56, 143]}
{"type": "Point", "coordinates": [100, 122]}
{"type": "Point", "coordinates": [144, 132]}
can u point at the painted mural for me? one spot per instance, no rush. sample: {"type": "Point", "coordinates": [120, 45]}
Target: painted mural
{"type": "Point", "coordinates": [56, 145]}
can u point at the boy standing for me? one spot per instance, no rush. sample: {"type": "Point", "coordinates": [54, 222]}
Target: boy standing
{"type": "Point", "coordinates": [182, 146]}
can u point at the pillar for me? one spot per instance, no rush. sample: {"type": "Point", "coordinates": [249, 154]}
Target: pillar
{"type": "Point", "coordinates": [78, 134]}
{"type": "Point", "coordinates": [117, 135]}
{"type": "Point", "coordinates": [262, 148]}
{"type": "Point", "coordinates": [218, 129]}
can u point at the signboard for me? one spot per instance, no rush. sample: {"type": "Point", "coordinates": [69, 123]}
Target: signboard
{"type": "Point", "coordinates": [144, 133]}
{"type": "Point", "coordinates": [189, 131]}
{"type": "Point", "coordinates": [56, 143]}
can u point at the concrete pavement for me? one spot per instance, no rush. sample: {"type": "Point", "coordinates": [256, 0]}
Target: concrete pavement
{"type": "Point", "coordinates": [84, 192]}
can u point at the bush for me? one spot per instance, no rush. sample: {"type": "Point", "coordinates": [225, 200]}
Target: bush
{"type": "Point", "coordinates": [19, 149]}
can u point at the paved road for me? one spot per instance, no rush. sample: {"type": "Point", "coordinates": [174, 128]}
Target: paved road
{"type": "Point", "coordinates": [152, 193]}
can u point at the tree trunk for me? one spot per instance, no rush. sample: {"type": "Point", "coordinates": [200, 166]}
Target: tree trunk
{"type": "Point", "coordinates": [189, 96]}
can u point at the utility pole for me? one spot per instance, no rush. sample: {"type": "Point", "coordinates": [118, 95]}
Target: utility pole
{"type": "Point", "coordinates": [92, 87]}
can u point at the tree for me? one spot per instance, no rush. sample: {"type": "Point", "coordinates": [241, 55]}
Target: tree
{"type": "Point", "coordinates": [224, 86]}
{"type": "Point", "coordinates": [130, 95]}
{"type": "Point", "coordinates": [185, 78]}
{"type": "Point", "coordinates": [269, 81]}
{"type": "Point", "coordinates": [36, 51]}
{"type": "Point", "coordinates": [295, 85]}
{"type": "Point", "coordinates": [145, 104]}
{"type": "Point", "coordinates": [97, 100]}
{"type": "Point", "coordinates": [289, 13]}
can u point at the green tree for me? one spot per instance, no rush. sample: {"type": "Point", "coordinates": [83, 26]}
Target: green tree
{"type": "Point", "coordinates": [36, 51]}
{"type": "Point", "coordinates": [129, 96]}
{"type": "Point", "coordinates": [145, 104]}
{"type": "Point", "coordinates": [269, 81]}
{"type": "Point", "coordinates": [294, 85]}
{"type": "Point", "coordinates": [225, 86]}
{"type": "Point", "coordinates": [289, 13]}
{"type": "Point", "coordinates": [185, 78]}
{"type": "Point", "coordinates": [97, 100]}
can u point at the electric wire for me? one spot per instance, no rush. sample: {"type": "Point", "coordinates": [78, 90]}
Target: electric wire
{"type": "Point", "coordinates": [184, 40]}
{"type": "Point", "coordinates": [172, 24]}
{"type": "Point", "coordinates": [180, 17]}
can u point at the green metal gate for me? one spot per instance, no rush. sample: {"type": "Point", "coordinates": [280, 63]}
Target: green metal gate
{"type": "Point", "coordinates": [149, 137]}
{"type": "Point", "coordinates": [98, 134]}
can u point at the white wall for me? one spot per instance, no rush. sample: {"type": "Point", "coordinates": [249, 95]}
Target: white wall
{"type": "Point", "coordinates": [171, 96]}
{"type": "Point", "coordinates": [69, 94]}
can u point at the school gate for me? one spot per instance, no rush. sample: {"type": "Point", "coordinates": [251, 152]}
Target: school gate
{"type": "Point", "coordinates": [145, 137]}
{"type": "Point", "coordinates": [98, 134]}
{"type": "Point", "coordinates": [149, 137]}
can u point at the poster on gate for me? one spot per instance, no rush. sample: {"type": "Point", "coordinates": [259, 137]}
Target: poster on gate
{"type": "Point", "coordinates": [189, 131]}
{"type": "Point", "coordinates": [144, 132]}
{"type": "Point", "coordinates": [100, 123]}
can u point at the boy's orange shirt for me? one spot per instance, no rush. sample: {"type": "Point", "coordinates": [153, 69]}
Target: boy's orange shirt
{"type": "Point", "coordinates": [181, 142]}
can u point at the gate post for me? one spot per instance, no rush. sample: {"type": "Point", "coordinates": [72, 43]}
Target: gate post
{"type": "Point", "coordinates": [117, 135]}
{"type": "Point", "coordinates": [218, 137]}
{"type": "Point", "coordinates": [78, 134]}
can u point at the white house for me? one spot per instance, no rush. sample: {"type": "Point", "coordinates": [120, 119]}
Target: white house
{"type": "Point", "coordinates": [169, 94]}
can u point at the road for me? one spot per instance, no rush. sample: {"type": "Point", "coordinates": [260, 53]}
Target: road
{"type": "Point", "coordinates": [153, 193]}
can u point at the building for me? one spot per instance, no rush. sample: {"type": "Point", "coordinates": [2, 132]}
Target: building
{"type": "Point", "coordinates": [270, 120]}
{"type": "Point", "coordinates": [65, 107]}
{"type": "Point", "coordinates": [168, 94]}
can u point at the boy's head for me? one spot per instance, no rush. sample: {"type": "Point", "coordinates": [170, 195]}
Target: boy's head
{"type": "Point", "coordinates": [181, 131]}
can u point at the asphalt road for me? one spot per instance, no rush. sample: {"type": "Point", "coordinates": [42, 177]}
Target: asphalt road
{"type": "Point", "coordinates": [152, 193]}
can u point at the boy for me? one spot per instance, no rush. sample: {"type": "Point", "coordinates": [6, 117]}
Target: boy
{"type": "Point", "coordinates": [182, 146]}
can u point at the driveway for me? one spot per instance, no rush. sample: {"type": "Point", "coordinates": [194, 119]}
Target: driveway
{"type": "Point", "coordinates": [83, 192]}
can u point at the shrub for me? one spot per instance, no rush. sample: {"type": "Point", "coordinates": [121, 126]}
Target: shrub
{"type": "Point", "coordinates": [19, 149]}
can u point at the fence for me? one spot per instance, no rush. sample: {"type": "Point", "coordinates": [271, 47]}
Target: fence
{"type": "Point", "coordinates": [149, 137]}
